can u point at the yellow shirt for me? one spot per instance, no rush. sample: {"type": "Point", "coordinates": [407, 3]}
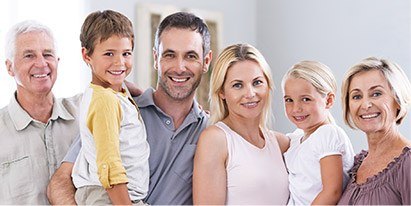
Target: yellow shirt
{"type": "Point", "coordinates": [114, 143]}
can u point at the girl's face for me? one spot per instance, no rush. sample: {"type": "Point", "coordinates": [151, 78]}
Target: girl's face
{"type": "Point", "coordinates": [305, 106]}
{"type": "Point", "coordinates": [372, 104]}
{"type": "Point", "coordinates": [245, 90]}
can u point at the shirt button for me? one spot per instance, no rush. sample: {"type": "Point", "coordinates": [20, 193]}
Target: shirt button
{"type": "Point", "coordinates": [104, 166]}
{"type": "Point", "coordinates": [168, 121]}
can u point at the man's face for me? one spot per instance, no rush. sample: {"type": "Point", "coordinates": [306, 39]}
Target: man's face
{"type": "Point", "coordinates": [34, 66]}
{"type": "Point", "coordinates": [180, 63]}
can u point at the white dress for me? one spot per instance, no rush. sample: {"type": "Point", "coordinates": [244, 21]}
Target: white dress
{"type": "Point", "coordinates": [254, 176]}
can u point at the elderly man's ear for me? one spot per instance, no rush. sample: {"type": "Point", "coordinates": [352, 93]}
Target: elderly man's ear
{"type": "Point", "coordinates": [9, 67]}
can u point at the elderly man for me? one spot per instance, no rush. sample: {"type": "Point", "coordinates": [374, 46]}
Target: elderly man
{"type": "Point", "coordinates": [172, 117]}
{"type": "Point", "coordinates": [36, 129]}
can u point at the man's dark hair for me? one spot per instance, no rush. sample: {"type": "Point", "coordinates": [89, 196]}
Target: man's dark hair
{"type": "Point", "coordinates": [184, 20]}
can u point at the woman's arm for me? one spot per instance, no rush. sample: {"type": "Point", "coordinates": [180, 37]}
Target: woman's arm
{"type": "Point", "coordinates": [332, 180]}
{"type": "Point", "coordinates": [283, 141]}
{"type": "Point", "coordinates": [209, 177]}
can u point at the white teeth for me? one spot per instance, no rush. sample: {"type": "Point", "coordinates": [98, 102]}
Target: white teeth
{"type": "Point", "coordinates": [250, 104]}
{"type": "Point", "coordinates": [39, 75]}
{"type": "Point", "coordinates": [179, 80]}
{"type": "Point", "coordinates": [369, 116]}
{"type": "Point", "coordinates": [116, 72]}
{"type": "Point", "coordinates": [300, 117]}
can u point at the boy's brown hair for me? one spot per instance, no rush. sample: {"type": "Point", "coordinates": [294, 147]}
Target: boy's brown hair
{"type": "Point", "coordinates": [101, 25]}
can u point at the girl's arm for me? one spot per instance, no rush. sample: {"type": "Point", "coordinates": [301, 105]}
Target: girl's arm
{"type": "Point", "coordinates": [332, 180]}
{"type": "Point", "coordinates": [209, 177]}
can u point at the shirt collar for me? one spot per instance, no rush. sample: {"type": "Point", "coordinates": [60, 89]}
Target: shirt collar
{"type": "Point", "coordinates": [21, 119]}
{"type": "Point", "coordinates": [146, 99]}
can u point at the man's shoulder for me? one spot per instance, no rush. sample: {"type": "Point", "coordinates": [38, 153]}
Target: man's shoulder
{"type": "Point", "coordinates": [71, 104]}
{"type": "Point", "coordinates": [4, 112]}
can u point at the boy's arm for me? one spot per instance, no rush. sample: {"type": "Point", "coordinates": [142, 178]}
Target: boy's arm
{"type": "Point", "coordinates": [60, 190]}
{"type": "Point", "coordinates": [332, 180]}
{"type": "Point", "coordinates": [119, 194]}
{"type": "Point", "coordinates": [104, 122]}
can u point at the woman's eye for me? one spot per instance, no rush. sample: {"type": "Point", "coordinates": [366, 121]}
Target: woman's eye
{"type": "Point", "coordinates": [237, 85]}
{"type": "Point", "coordinates": [108, 54]}
{"type": "Point", "coordinates": [356, 97]}
{"type": "Point", "coordinates": [257, 82]}
{"type": "Point", "coordinates": [306, 99]}
{"type": "Point", "coordinates": [376, 94]}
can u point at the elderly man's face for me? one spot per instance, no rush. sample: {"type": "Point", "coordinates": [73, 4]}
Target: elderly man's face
{"type": "Point", "coordinates": [35, 63]}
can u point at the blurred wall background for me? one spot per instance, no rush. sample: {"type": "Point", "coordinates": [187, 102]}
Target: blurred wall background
{"type": "Point", "coordinates": [337, 33]}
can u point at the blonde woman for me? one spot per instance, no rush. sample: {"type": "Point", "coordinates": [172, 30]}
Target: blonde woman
{"type": "Point", "coordinates": [238, 159]}
{"type": "Point", "coordinates": [375, 97]}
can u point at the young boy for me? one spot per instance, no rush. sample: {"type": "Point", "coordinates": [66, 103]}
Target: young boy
{"type": "Point", "coordinates": [112, 166]}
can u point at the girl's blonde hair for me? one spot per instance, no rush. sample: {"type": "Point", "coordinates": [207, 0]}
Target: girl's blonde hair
{"type": "Point", "coordinates": [228, 57]}
{"type": "Point", "coordinates": [318, 74]}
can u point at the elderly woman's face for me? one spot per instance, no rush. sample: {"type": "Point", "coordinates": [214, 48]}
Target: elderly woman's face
{"type": "Point", "coordinates": [371, 102]}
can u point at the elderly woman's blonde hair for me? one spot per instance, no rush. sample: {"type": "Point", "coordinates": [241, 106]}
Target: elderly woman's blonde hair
{"type": "Point", "coordinates": [228, 57]}
{"type": "Point", "coordinates": [397, 80]}
{"type": "Point", "coordinates": [316, 73]}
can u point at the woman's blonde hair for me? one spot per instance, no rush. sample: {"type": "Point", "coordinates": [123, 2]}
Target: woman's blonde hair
{"type": "Point", "coordinates": [318, 74]}
{"type": "Point", "coordinates": [228, 57]}
{"type": "Point", "coordinates": [397, 80]}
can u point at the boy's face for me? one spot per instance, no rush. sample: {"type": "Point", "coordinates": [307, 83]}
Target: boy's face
{"type": "Point", "coordinates": [111, 61]}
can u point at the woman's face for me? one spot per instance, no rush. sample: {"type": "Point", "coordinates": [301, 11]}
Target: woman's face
{"type": "Point", "coordinates": [371, 102]}
{"type": "Point", "coordinates": [245, 90]}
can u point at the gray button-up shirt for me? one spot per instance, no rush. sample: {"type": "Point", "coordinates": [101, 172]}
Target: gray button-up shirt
{"type": "Point", "coordinates": [32, 151]}
{"type": "Point", "coordinates": [171, 151]}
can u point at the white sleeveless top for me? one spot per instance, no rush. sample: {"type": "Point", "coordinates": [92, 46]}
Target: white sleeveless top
{"type": "Point", "coordinates": [254, 176]}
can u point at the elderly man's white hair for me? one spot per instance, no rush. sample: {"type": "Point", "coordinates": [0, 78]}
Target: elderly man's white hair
{"type": "Point", "coordinates": [22, 28]}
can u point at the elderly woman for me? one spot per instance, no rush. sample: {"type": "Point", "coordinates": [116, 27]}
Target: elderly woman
{"type": "Point", "coordinates": [238, 160]}
{"type": "Point", "coordinates": [375, 95]}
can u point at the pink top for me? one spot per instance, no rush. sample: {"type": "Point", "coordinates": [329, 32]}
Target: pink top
{"type": "Point", "coordinates": [255, 176]}
{"type": "Point", "coordinates": [391, 186]}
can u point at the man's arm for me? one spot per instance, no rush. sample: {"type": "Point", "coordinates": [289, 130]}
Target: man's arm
{"type": "Point", "coordinates": [60, 190]}
{"type": "Point", "coordinates": [133, 89]}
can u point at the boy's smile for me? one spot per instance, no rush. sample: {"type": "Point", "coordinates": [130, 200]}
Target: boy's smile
{"type": "Point", "coordinates": [111, 62]}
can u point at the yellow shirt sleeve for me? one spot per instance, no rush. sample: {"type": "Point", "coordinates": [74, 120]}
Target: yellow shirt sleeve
{"type": "Point", "coordinates": [103, 120]}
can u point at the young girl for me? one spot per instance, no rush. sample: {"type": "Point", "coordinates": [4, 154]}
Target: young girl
{"type": "Point", "coordinates": [320, 152]}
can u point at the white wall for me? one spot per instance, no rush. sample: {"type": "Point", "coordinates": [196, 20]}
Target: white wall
{"type": "Point", "coordinates": [236, 14]}
{"type": "Point", "coordinates": [337, 33]}
{"type": "Point", "coordinates": [69, 14]}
